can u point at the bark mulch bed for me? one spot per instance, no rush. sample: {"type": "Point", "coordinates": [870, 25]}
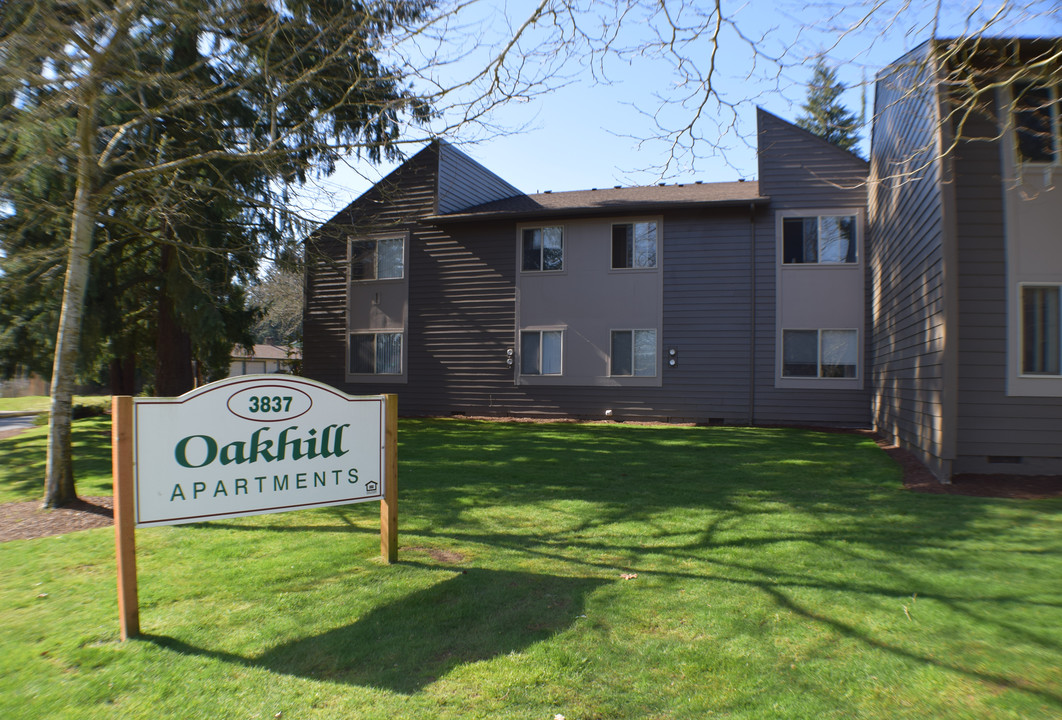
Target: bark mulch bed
{"type": "Point", "coordinates": [25, 520]}
{"type": "Point", "coordinates": [917, 478]}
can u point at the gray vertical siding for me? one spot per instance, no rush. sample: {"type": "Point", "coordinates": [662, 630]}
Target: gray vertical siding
{"type": "Point", "coordinates": [991, 423]}
{"type": "Point", "coordinates": [800, 170]}
{"type": "Point", "coordinates": [464, 183]}
{"type": "Point", "coordinates": [907, 261]}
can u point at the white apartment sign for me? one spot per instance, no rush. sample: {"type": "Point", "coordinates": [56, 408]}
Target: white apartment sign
{"type": "Point", "coordinates": [255, 444]}
{"type": "Point", "coordinates": [245, 446]}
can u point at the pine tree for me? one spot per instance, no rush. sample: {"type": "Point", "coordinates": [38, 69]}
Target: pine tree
{"type": "Point", "coordinates": [824, 114]}
{"type": "Point", "coordinates": [184, 119]}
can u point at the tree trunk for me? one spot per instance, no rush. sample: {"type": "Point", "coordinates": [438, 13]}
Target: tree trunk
{"type": "Point", "coordinates": [173, 344]}
{"type": "Point", "coordinates": [123, 375]}
{"type": "Point", "coordinates": [59, 473]}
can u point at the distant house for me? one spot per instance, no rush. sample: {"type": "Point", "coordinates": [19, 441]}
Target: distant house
{"type": "Point", "coordinates": [919, 295]}
{"type": "Point", "coordinates": [263, 359]}
{"type": "Point", "coordinates": [23, 384]}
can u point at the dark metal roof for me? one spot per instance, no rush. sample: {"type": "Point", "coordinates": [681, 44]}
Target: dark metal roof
{"type": "Point", "coordinates": [613, 200]}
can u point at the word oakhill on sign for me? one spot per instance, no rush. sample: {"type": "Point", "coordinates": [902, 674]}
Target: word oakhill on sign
{"type": "Point", "coordinates": [246, 446]}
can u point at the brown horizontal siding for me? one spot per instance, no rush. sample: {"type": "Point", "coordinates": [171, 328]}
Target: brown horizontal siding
{"type": "Point", "coordinates": [324, 318]}
{"type": "Point", "coordinates": [706, 314]}
{"type": "Point", "coordinates": [462, 299]}
{"type": "Point", "coordinates": [906, 262]}
{"type": "Point", "coordinates": [405, 194]}
{"type": "Point", "coordinates": [991, 423]}
{"type": "Point", "coordinates": [801, 171]}
{"type": "Point", "coordinates": [461, 319]}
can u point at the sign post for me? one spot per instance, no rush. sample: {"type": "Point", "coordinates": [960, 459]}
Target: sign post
{"type": "Point", "coordinates": [389, 504]}
{"type": "Point", "coordinates": [124, 521]}
{"type": "Point", "coordinates": [245, 446]}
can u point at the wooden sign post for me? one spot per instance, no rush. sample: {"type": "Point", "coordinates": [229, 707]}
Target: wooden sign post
{"type": "Point", "coordinates": [124, 520]}
{"type": "Point", "coordinates": [246, 446]}
{"type": "Point", "coordinates": [389, 504]}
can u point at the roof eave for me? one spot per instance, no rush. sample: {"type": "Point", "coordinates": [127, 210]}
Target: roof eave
{"type": "Point", "coordinates": [583, 212]}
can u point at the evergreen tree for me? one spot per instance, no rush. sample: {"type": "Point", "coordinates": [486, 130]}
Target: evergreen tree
{"type": "Point", "coordinates": [278, 296]}
{"type": "Point", "coordinates": [824, 115]}
{"type": "Point", "coordinates": [183, 120]}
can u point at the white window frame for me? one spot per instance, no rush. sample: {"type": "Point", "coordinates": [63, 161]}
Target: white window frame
{"type": "Point", "coordinates": [658, 231]}
{"type": "Point", "coordinates": [1054, 89]}
{"type": "Point", "coordinates": [634, 370]}
{"type": "Point", "coordinates": [352, 241]}
{"type": "Point", "coordinates": [1022, 287]}
{"type": "Point", "coordinates": [376, 333]}
{"type": "Point", "coordinates": [542, 249]}
{"type": "Point", "coordinates": [818, 356]}
{"type": "Point", "coordinates": [819, 216]}
{"type": "Point", "coordinates": [560, 360]}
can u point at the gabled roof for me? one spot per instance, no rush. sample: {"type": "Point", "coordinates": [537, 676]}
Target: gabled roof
{"type": "Point", "coordinates": [609, 201]}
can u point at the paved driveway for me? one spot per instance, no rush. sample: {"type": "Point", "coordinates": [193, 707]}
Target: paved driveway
{"type": "Point", "coordinates": [14, 424]}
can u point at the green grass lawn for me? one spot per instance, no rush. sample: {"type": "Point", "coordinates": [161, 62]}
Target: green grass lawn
{"type": "Point", "coordinates": [41, 403]}
{"type": "Point", "coordinates": [780, 574]}
{"type": "Point", "coordinates": [22, 461]}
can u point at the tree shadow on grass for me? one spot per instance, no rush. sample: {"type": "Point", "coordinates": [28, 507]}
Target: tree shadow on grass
{"type": "Point", "coordinates": [407, 645]}
{"type": "Point", "coordinates": [22, 459]}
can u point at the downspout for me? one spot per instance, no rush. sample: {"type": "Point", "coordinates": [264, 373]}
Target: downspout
{"type": "Point", "coordinates": [949, 247]}
{"type": "Point", "coordinates": [752, 314]}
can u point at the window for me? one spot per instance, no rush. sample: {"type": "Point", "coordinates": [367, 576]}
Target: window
{"type": "Point", "coordinates": [634, 245]}
{"type": "Point", "coordinates": [377, 259]}
{"type": "Point", "coordinates": [1041, 338]}
{"type": "Point", "coordinates": [543, 249]}
{"type": "Point", "coordinates": [376, 353]}
{"type": "Point", "coordinates": [824, 239]}
{"type": "Point", "coordinates": [540, 352]}
{"type": "Point", "coordinates": [1036, 121]}
{"type": "Point", "coordinates": [820, 353]}
{"type": "Point", "coordinates": [634, 353]}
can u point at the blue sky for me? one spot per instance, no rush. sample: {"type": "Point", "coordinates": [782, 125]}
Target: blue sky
{"type": "Point", "coordinates": [590, 133]}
